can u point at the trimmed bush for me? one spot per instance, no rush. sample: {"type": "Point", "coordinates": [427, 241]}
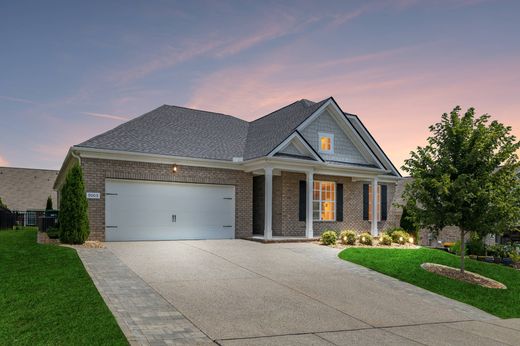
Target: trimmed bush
{"type": "Point", "coordinates": [475, 246]}
{"type": "Point", "coordinates": [53, 232]}
{"type": "Point", "coordinates": [348, 237]}
{"type": "Point", "coordinates": [329, 238]}
{"type": "Point", "coordinates": [391, 231]}
{"type": "Point", "coordinates": [400, 237]}
{"type": "Point", "coordinates": [74, 227]}
{"type": "Point", "coordinates": [365, 239]}
{"type": "Point", "coordinates": [385, 239]}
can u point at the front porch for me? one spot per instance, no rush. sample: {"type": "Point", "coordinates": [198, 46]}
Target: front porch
{"type": "Point", "coordinates": [298, 204]}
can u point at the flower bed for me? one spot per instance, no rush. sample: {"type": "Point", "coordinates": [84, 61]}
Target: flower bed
{"type": "Point", "coordinates": [468, 277]}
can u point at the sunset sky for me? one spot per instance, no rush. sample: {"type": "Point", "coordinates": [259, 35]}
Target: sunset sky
{"type": "Point", "coordinates": [70, 70]}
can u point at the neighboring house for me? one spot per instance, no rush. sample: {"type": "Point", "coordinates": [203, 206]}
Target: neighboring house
{"type": "Point", "coordinates": [25, 190]}
{"type": "Point", "coordinates": [179, 173]}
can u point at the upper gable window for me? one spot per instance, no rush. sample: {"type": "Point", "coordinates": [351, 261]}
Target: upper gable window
{"type": "Point", "coordinates": [326, 143]}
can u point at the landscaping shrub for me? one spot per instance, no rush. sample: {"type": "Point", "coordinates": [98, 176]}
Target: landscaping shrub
{"type": "Point", "coordinates": [48, 206]}
{"type": "Point", "coordinates": [365, 238]}
{"type": "Point", "coordinates": [455, 248]}
{"type": "Point", "coordinates": [74, 227]}
{"type": "Point", "coordinates": [348, 237]}
{"type": "Point", "coordinates": [329, 238]}
{"type": "Point", "coordinates": [400, 237]}
{"type": "Point", "coordinates": [391, 231]}
{"type": "Point", "coordinates": [385, 239]}
{"type": "Point", "coordinates": [53, 232]}
{"type": "Point", "coordinates": [475, 246]}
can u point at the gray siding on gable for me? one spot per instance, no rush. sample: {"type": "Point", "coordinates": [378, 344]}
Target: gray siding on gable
{"type": "Point", "coordinates": [344, 149]}
{"type": "Point", "coordinates": [291, 149]}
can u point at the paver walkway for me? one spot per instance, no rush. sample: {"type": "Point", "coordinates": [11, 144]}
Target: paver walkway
{"type": "Point", "coordinates": [237, 292]}
{"type": "Point", "coordinates": [145, 317]}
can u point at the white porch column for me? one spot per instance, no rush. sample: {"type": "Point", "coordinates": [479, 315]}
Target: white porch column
{"type": "Point", "coordinates": [308, 220]}
{"type": "Point", "coordinates": [375, 212]}
{"type": "Point", "coordinates": [268, 222]}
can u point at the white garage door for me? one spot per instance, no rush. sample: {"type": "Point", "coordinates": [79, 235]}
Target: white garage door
{"type": "Point", "coordinates": [140, 210]}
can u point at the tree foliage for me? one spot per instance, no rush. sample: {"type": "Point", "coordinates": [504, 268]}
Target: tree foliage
{"type": "Point", "coordinates": [465, 176]}
{"type": "Point", "coordinates": [73, 217]}
{"type": "Point", "coordinates": [2, 205]}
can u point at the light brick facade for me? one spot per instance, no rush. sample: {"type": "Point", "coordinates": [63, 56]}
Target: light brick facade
{"type": "Point", "coordinates": [97, 170]}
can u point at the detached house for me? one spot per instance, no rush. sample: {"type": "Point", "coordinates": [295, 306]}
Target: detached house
{"type": "Point", "coordinates": [179, 173]}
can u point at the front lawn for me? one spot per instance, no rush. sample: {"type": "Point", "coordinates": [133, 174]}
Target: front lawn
{"type": "Point", "coordinates": [47, 297]}
{"type": "Point", "coordinates": [405, 265]}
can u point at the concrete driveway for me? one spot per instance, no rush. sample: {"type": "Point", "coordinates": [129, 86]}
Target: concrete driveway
{"type": "Point", "coordinates": [241, 292]}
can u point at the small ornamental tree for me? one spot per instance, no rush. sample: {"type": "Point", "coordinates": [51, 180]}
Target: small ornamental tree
{"type": "Point", "coordinates": [48, 206]}
{"type": "Point", "coordinates": [465, 177]}
{"type": "Point", "coordinates": [74, 226]}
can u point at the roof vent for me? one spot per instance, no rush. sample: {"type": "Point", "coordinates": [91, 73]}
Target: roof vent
{"type": "Point", "coordinates": [238, 159]}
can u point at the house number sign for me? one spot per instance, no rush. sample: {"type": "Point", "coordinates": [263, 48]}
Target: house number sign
{"type": "Point", "coordinates": [93, 195]}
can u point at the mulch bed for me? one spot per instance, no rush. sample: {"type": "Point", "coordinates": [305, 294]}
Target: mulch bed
{"type": "Point", "coordinates": [468, 277]}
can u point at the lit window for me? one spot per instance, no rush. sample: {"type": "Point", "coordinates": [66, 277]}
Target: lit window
{"type": "Point", "coordinates": [370, 202]}
{"type": "Point", "coordinates": [326, 143]}
{"type": "Point", "coordinates": [324, 201]}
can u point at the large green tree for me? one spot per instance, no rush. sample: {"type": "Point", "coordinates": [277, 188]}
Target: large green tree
{"type": "Point", "coordinates": [73, 217]}
{"type": "Point", "coordinates": [465, 177]}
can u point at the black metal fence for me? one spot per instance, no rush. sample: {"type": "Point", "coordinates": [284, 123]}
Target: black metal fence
{"type": "Point", "coordinates": [7, 219]}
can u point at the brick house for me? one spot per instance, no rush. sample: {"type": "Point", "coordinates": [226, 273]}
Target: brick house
{"type": "Point", "coordinates": [179, 173]}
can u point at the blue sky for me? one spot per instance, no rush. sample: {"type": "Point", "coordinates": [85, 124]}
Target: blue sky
{"type": "Point", "coordinates": [70, 69]}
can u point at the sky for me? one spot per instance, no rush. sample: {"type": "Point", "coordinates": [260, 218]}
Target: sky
{"type": "Point", "coordinates": [70, 70]}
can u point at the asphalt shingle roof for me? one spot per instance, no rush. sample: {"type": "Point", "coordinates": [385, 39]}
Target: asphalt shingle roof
{"type": "Point", "coordinates": [184, 132]}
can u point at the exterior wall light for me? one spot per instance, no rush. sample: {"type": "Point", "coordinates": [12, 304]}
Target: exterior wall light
{"type": "Point", "coordinates": [174, 168]}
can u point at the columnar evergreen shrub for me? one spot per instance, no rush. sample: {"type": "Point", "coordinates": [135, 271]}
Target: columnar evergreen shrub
{"type": "Point", "coordinates": [74, 226]}
{"type": "Point", "coordinates": [329, 238]}
{"type": "Point", "coordinates": [348, 237]}
{"type": "Point", "coordinates": [48, 206]}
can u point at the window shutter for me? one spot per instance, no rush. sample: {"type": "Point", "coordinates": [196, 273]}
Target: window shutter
{"type": "Point", "coordinates": [339, 202]}
{"type": "Point", "coordinates": [365, 201]}
{"type": "Point", "coordinates": [383, 203]}
{"type": "Point", "coordinates": [303, 200]}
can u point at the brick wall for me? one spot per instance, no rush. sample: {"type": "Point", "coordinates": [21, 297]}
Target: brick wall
{"type": "Point", "coordinates": [352, 204]}
{"type": "Point", "coordinates": [97, 170]}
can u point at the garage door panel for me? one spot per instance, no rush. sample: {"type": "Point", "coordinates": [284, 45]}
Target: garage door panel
{"type": "Point", "coordinates": [137, 210]}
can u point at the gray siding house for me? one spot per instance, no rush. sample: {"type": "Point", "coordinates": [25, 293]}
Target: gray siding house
{"type": "Point", "coordinates": [179, 173]}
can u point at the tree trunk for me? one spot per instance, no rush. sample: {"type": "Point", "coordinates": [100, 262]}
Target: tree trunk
{"type": "Point", "coordinates": [462, 250]}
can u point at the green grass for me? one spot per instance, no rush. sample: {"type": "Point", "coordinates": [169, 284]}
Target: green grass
{"type": "Point", "coordinates": [47, 297]}
{"type": "Point", "coordinates": [405, 266]}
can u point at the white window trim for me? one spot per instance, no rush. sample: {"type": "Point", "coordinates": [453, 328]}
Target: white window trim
{"type": "Point", "coordinates": [378, 203]}
{"type": "Point", "coordinates": [328, 135]}
{"type": "Point", "coordinates": [320, 201]}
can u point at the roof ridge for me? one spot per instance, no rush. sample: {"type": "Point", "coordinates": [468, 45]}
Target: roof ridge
{"type": "Point", "coordinates": [204, 111]}
{"type": "Point", "coordinates": [279, 109]}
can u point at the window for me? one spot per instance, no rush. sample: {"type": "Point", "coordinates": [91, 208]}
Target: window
{"type": "Point", "coordinates": [370, 202]}
{"type": "Point", "coordinates": [326, 143]}
{"type": "Point", "coordinates": [324, 201]}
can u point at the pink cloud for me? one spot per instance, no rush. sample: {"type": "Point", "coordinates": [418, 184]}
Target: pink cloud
{"type": "Point", "coordinates": [106, 116]}
{"type": "Point", "coordinates": [3, 161]}
{"type": "Point", "coordinates": [397, 101]}
{"type": "Point", "coordinates": [17, 99]}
